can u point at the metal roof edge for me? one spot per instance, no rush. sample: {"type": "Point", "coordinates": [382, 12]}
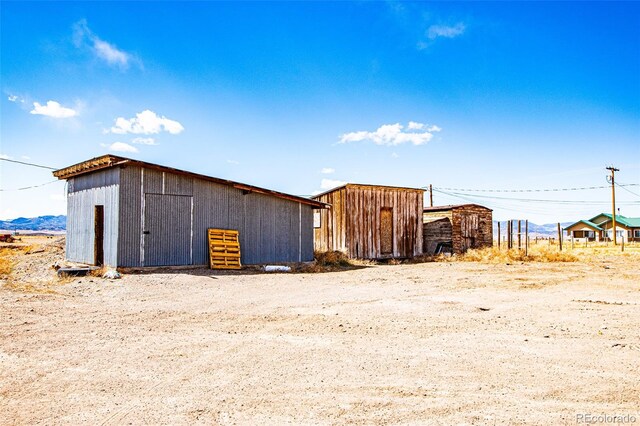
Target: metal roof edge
{"type": "Point", "coordinates": [106, 161]}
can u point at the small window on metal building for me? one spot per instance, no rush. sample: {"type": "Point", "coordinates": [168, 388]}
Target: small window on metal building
{"type": "Point", "coordinates": [316, 219]}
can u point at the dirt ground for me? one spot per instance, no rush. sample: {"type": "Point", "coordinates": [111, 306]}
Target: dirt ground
{"type": "Point", "coordinates": [432, 343]}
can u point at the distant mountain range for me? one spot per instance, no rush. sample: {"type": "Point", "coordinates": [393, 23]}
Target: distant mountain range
{"type": "Point", "coordinates": [40, 223]}
{"type": "Point", "coordinates": [548, 229]}
{"type": "Point", "coordinates": [59, 223]}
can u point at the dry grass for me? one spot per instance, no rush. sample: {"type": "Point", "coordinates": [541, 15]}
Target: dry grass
{"type": "Point", "coordinates": [8, 259]}
{"type": "Point", "coordinates": [11, 256]}
{"type": "Point", "coordinates": [543, 254]}
{"type": "Point", "coordinates": [6, 262]}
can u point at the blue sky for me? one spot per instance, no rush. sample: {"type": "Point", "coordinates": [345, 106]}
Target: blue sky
{"type": "Point", "coordinates": [299, 96]}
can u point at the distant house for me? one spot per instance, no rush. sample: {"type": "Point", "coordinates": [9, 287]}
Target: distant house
{"type": "Point", "coordinates": [584, 230]}
{"type": "Point", "coordinates": [600, 228]}
{"type": "Point", "coordinates": [456, 228]}
{"type": "Point", "coordinates": [124, 212]}
{"type": "Point", "coordinates": [370, 221]}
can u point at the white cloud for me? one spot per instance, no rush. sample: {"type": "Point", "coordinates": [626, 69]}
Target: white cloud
{"type": "Point", "coordinates": [146, 122]}
{"type": "Point", "coordinates": [83, 36]}
{"type": "Point", "coordinates": [110, 53]}
{"type": "Point", "coordinates": [327, 184]}
{"type": "Point", "coordinates": [394, 155]}
{"type": "Point", "coordinates": [53, 109]}
{"type": "Point", "coordinates": [327, 170]}
{"type": "Point", "coordinates": [393, 134]}
{"type": "Point", "coordinates": [12, 98]}
{"type": "Point", "coordinates": [25, 157]}
{"type": "Point", "coordinates": [435, 31]}
{"type": "Point", "coordinates": [120, 147]}
{"type": "Point", "coordinates": [144, 141]}
{"type": "Point", "coordinates": [6, 157]}
{"type": "Point", "coordinates": [233, 162]}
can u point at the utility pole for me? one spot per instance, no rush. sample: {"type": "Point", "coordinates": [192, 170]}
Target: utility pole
{"type": "Point", "coordinates": [611, 178]}
{"type": "Point", "coordinates": [431, 194]}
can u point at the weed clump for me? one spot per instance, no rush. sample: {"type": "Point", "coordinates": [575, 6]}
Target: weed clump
{"type": "Point", "coordinates": [331, 258]}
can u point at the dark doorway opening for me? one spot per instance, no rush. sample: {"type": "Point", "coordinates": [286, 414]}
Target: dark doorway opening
{"type": "Point", "coordinates": [98, 244]}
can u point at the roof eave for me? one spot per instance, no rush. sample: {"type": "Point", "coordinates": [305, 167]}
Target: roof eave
{"type": "Point", "coordinates": [107, 161]}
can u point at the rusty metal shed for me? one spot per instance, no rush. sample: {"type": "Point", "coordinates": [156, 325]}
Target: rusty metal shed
{"type": "Point", "coordinates": [370, 221]}
{"type": "Point", "coordinates": [457, 227]}
{"type": "Point", "coordinates": [124, 212]}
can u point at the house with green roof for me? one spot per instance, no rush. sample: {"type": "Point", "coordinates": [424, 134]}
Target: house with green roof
{"type": "Point", "coordinates": [600, 228]}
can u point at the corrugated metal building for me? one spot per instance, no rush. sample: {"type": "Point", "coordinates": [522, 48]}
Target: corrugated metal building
{"type": "Point", "coordinates": [457, 228]}
{"type": "Point", "coordinates": [370, 221]}
{"type": "Point", "coordinates": [124, 212]}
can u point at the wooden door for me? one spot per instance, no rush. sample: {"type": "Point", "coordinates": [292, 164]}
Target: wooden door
{"type": "Point", "coordinates": [386, 231]}
{"type": "Point", "coordinates": [469, 224]}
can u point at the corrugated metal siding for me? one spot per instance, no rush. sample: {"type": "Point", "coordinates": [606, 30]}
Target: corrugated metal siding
{"type": "Point", "coordinates": [167, 230]}
{"type": "Point", "coordinates": [84, 193]}
{"type": "Point", "coordinates": [130, 217]}
{"type": "Point", "coordinates": [269, 226]}
{"type": "Point", "coordinates": [136, 182]}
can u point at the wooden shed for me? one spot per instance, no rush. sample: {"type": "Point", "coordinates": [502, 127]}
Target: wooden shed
{"type": "Point", "coordinates": [457, 228]}
{"type": "Point", "coordinates": [370, 221]}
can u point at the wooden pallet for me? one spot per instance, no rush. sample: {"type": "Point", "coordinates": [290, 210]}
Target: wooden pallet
{"type": "Point", "coordinates": [224, 249]}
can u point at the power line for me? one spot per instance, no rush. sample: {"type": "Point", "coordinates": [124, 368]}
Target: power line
{"type": "Point", "coordinates": [530, 190]}
{"type": "Point", "coordinates": [527, 200]}
{"type": "Point", "coordinates": [29, 187]}
{"type": "Point", "coordinates": [623, 187]}
{"type": "Point", "coordinates": [28, 164]}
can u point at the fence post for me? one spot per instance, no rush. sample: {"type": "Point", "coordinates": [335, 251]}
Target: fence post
{"type": "Point", "coordinates": [526, 237]}
{"type": "Point", "coordinates": [498, 235]}
{"type": "Point", "coordinates": [559, 236]}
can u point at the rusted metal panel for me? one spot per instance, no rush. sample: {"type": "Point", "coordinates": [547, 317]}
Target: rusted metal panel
{"type": "Point", "coordinates": [355, 222]}
{"type": "Point", "coordinates": [84, 193]}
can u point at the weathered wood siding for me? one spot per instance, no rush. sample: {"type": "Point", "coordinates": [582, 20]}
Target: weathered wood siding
{"type": "Point", "coordinates": [471, 227]}
{"type": "Point", "coordinates": [354, 223]}
{"type": "Point", "coordinates": [332, 234]}
{"type": "Point", "coordinates": [436, 229]}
